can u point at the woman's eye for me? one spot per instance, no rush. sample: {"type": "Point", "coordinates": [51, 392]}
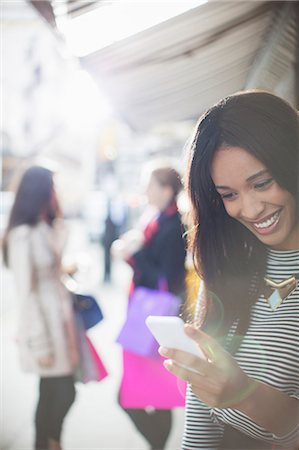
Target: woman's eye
{"type": "Point", "coordinates": [263, 184]}
{"type": "Point", "coordinates": [228, 196]}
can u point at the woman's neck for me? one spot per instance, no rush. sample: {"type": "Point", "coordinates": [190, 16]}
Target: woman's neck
{"type": "Point", "coordinates": [291, 242]}
{"type": "Point", "coordinates": [170, 208]}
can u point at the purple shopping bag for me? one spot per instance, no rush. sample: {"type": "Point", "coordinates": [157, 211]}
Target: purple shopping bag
{"type": "Point", "coordinates": [134, 335]}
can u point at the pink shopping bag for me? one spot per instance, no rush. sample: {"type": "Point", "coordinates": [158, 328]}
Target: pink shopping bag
{"type": "Point", "coordinates": [146, 383]}
{"type": "Point", "coordinates": [98, 363]}
{"type": "Point", "coordinates": [90, 367]}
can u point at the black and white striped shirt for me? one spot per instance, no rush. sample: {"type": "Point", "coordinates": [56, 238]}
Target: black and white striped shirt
{"type": "Point", "coordinates": [268, 353]}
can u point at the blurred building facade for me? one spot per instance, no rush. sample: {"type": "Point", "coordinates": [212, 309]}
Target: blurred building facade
{"type": "Point", "coordinates": [137, 98]}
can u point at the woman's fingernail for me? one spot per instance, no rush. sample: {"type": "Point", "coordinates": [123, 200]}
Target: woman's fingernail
{"type": "Point", "coordinates": [163, 351]}
{"type": "Point", "coordinates": [167, 364]}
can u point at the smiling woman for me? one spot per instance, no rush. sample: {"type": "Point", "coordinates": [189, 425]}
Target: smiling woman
{"type": "Point", "coordinates": [243, 185]}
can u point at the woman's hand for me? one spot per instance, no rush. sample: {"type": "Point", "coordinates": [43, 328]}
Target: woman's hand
{"type": "Point", "coordinates": [118, 249]}
{"type": "Point", "coordinates": [70, 269]}
{"type": "Point", "coordinates": [46, 361]}
{"type": "Point", "coordinates": [128, 244]}
{"type": "Point", "coordinates": [218, 381]}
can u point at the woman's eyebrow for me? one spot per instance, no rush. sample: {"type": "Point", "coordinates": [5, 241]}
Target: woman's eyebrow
{"type": "Point", "coordinates": [258, 174]}
{"type": "Point", "coordinates": [222, 187]}
{"type": "Point", "coordinates": [248, 180]}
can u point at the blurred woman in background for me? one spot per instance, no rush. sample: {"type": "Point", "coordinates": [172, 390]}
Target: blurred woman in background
{"type": "Point", "coordinates": [46, 337]}
{"type": "Point", "coordinates": [157, 254]}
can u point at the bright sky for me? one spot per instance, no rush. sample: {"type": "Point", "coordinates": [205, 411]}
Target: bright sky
{"type": "Point", "coordinates": [117, 20]}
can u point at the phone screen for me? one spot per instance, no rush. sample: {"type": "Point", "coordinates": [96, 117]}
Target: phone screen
{"type": "Point", "coordinates": [169, 332]}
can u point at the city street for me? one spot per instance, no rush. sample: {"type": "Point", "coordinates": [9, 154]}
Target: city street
{"type": "Point", "coordinates": [95, 421]}
{"type": "Point", "coordinates": [166, 134]}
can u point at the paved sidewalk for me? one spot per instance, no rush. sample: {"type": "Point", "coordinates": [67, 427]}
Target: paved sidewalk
{"type": "Point", "coordinates": [95, 420]}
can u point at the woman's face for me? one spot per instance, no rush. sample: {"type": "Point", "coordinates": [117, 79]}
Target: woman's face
{"type": "Point", "coordinates": [251, 196]}
{"type": "Point", "coordinates": [158, 195]}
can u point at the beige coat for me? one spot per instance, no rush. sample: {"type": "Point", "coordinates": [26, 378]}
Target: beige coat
{"type": "Point", "coordinates": [46, 320]}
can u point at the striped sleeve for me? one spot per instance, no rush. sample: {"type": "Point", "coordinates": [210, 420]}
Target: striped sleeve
{"type": "Point", "coordinates": [202, 430]}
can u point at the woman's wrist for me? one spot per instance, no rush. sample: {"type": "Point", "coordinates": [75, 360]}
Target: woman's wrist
{"type": "Point", "coordinates": [271, 408]}
{"type": "Point", "coordinates": [246, 399]}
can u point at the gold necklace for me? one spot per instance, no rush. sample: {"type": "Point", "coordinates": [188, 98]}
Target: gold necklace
{"type": "Point", "coordinates": [276, 293]}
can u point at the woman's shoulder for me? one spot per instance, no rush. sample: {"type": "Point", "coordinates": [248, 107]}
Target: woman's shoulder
{"type": "Point", "coordinates": [172, 224]}
{"type": "Point", "coordinates": [25, 231]}
{"type": "Point", "coordinates": [172, 218]}
{"type": "Point", "coordinates": [20, 232]}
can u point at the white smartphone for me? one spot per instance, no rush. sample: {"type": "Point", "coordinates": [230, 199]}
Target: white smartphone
{"type": "Point", "coordinates": [169, 332]}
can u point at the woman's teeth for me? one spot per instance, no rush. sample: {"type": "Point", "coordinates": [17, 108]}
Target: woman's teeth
{"type": "Point", "coordinates": [268, 222]}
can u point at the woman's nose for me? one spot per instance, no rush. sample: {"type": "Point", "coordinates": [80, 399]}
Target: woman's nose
{"type": "Point", "coordinates": [252, 208]}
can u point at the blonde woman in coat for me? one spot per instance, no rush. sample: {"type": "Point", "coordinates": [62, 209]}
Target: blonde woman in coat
{"type": "Point", "coordinates": [46, 332]}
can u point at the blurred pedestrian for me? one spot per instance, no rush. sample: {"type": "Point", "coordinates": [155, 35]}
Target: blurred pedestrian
{"type": "Point", "coordinates": [115, 223]}
{"type": "Point", "coordinates": [156, 254]}
{"type": "Point", "coordinates": [46, 329]}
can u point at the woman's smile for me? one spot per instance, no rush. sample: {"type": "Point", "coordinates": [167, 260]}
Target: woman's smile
{"type": "Point", "coordinates": [268, 224]}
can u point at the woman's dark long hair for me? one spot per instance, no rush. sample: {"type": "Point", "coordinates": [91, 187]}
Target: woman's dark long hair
{"type": "Point", "coordinates": [229, 258]}
{"type": "Point", "coordinates": [33, 196]}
